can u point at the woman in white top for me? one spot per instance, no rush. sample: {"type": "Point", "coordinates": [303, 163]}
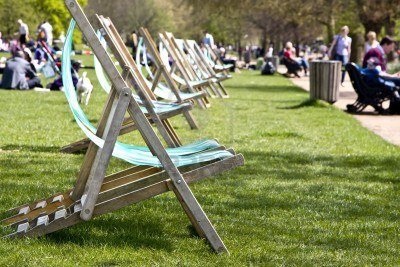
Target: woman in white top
{"type": "Point", "coordinates": [341, 48]}
{"type": "Point", "coordinates": [371, 43]}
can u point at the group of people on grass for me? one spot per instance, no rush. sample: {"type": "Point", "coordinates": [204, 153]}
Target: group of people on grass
{"type": "Point", "coordinates": [29, 56]}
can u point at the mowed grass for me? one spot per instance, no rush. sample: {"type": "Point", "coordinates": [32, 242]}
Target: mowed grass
{"type": "Point", "coordinates": [316, 189]}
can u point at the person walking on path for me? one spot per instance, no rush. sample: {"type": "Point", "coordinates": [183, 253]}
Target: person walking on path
{"type": "Point", "coordinates": [341, 48]}
{"type": "Point", "coordinates": [23, 32]}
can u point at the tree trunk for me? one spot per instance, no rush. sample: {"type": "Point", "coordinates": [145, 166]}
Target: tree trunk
{"type": "Point", "coordinates": [390, 26]}
{"type": "Point", "coordinates": [330, 29]}
{"type": "Point", "coordinates": [373, 26]}
{"type": "Point", "coordinates": [239, 47]}
{"type": "Point", "coordinates": [357, 48]}
{"type": "Point", "coordinates": [264, 39]}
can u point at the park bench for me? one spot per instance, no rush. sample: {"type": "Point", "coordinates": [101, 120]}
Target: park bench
{"type": "Point", "coordinates": [370, 91]}
{"type": "Point", "coordinates": [157, 169]}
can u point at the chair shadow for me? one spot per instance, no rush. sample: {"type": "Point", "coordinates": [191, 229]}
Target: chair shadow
{"type": "Point", "coordinates": [116, 232]}
{"type": "Point", "coordinates": [27, 148]}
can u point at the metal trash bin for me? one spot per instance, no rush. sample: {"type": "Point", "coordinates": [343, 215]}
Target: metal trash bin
{"type": "Point", "coordinates": [325, 78]}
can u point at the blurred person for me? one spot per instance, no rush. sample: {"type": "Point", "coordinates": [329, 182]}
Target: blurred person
{"type": "Point", "coordinates": [371, 43]}
{"type": "Point", "coordinates": [289, 54]}
{"type": "Point", "coordinates": [379, 54]}
{"type": "Point", "coordinates": [247, 56]}
{"type": "Point", "coordinates": [23, 32]}
{"type": "Point", "coordinates": [18, 73]}
{"type": "Point", "coordinates": [208, 39]}
{"type": "Point", "coordinates": [225, 60]}
{"type": "Point", "coordinates": [340, 49]}
{"type": "Point", "coordinates": [134, 41]}
{"type": "Point", "coordinates": [47, 32]}
{"type": "Point", "coordinates": [270, 52]}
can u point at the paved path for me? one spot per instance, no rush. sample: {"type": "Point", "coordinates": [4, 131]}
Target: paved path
{"type": "Point", "coordinates": [388, 127]}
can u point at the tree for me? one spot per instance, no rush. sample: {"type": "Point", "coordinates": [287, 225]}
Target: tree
{"type": "Point", "coordinates": [55, 12]}
{"type": "Point", "coordinates": [376, 14]}
{"type": "Point", "coordinates": [20, 9]}
{"type": "Point", "coordinates": [129, 15]}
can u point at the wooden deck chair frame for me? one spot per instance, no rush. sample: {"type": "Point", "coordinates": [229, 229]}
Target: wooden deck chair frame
{"type": "Point", "coordinates": [161, 121]}
{"type": "Point", "coordinates": [217, 60]}
{"type": "Point", "coordinates": [196, 48]}
{"type": "Point", "coordinates": [161, 70]}
{"type": "Point", "coordinates": [94, 194]}
{"type": "Point", "coordinates": [181, 66]}
{"type": "Point", "coordinates": [205, 68]}
{"type": "Point", "coordinates": [178, 55]}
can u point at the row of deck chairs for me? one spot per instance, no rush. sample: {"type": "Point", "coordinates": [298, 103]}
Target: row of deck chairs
{"type": "Point", "coordinates": [156, 169]}
{"type": "Point", "coordinates": [190, 78]}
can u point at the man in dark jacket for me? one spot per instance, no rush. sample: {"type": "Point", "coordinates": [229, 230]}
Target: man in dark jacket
{"type": "Point", "coordinates": [18, 73]}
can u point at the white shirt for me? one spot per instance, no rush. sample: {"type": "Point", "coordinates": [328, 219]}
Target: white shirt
{"type": "Point", "coordinates": [343, 45]}
{"type": "Point", "coordinates": [23, 29]}
{"type": "Point", "coordinates": [209, 39]}
{"type": "Point", "coordinates": [48, 31]}
{"type": "Point", "coordinates": [370, 46]}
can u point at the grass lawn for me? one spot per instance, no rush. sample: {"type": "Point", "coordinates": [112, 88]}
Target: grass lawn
{"type": "Point", "coordinates": [317, 188]}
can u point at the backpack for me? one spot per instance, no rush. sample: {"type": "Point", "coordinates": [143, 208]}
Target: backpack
{"type": "Point", "coordinates": [268, 68]}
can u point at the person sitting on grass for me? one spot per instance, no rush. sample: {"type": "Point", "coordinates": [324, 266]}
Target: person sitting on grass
{"type": "Point", "coordinates": [18, 73]}
{"type": "Point", "coordinates": [289, 55]}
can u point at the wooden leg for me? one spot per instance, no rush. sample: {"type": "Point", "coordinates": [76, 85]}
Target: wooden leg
{"type": "Point", "coordinates": [103, 155]}
{"type": "Point", "coordinates": [197, 216]}
{"type": "Point", "coordinates": [191, 120]}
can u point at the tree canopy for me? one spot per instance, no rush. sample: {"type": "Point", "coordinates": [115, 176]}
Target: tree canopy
{"type": "Point", "coordinates": [231, 21]}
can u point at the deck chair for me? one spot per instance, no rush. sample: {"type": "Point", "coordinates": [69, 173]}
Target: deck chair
{"type": "Point", "coordinates": [181, 70]}
{"type": "Point", "coordinates": [158, 169]}
{"type": "Point", "coordinates": [202, 68]}
{"type": "Point", "coordinates": [179, 53]}
{"type": "Point", "coordinates": [169, 89]}
{"type": "Point", "coordinates": [371, 91]}
{"type": "Point", "coordinates": [215, 60]}
{"type": "Point", "coordinates": [157, 113]}
{"type": "Point", "coordinates": [192, 44]}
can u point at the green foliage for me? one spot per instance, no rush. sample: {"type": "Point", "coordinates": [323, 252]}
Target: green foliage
{"type": "Point", "coordinates": [57, 14]}
{"type": "Point", "coordinates": [129, 15]}
{"type": "Point", "coordinates": [12, 10]}
{"type": "Point", "coordinates": [33, 12]}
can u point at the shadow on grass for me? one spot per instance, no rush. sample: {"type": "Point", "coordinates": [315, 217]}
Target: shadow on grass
{"type": "Point", "coordinates": [131, 231]}
{"type": "Point", "coordinates": [335, 187]}
{"type": "Point", "coordinates": [309, 103]}
{"type": "Point", "coordinates": [300, 166]}
{"type": "Point", "coordinates": [26, 148]}
{"type": "Point", "coordinates": [267, 88]}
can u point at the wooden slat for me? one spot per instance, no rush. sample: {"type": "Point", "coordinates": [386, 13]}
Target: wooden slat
{"type": "Point", "coordinates": [104, 154]}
